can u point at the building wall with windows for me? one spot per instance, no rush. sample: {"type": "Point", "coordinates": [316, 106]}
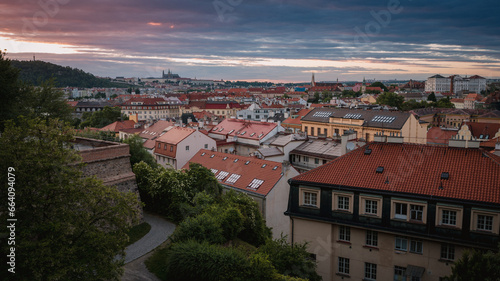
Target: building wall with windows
{"type": "Point", "coordinates": [392, 211]}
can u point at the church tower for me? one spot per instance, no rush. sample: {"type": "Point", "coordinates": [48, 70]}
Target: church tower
{"type": "Point", "coordinates": [363, 87]}
{"type": "Point", "coordinates": [313, 83]}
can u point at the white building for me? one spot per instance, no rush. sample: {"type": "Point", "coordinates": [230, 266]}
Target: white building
{"type": "Point", "coordinates": [455, 84]}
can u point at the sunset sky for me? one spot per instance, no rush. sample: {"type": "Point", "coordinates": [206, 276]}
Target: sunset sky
{"type": "Point", "coordinates": [277, 40]}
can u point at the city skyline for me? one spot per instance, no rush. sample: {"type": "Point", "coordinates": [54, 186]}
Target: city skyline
{"type": "Point", "coordinates": [276, 40]}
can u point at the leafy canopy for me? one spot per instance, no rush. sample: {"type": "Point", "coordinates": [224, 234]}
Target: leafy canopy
{"type": "Point", "coordinates": [68, 227]}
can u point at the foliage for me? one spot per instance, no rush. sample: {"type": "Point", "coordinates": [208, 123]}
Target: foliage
{"type": "Point", "coordinates": [33, 72]}
{"type": "Point", "coordinates": [292, 260]}
{"type": "Point", "coordinates": [379, 84]}
{"type": "Point", "coordinates": [138, 153]}
{"type": "Point", "coordinates": [98, 135]}
{"type": "Point", "coordinates": [444, 103]}
{"type": "Point", "coordinates": [201, 228]}
{"type": "Point", "coordinates": [100, 95]}
{"type": "Point", "coordinates": [68, 227]}
{"type": "Point", "coordinates": [18, 98]}
{"type": "Point", "coordinates": [169, 192]}
{"type": "Point", "coordinates": [390, 99]}
{"type": "Point", "coordinates": [476, 265]}
{"type": "Point", "coordinates": [99, 119]}
{"type": "Point", "coordinates": [413, 104]}
{"type": "Point", "coordinates": [137, 232]}
{"type": "Point", "coordinates": [350, 94]}
{"type": "Point", "coordinates": [432, 97]}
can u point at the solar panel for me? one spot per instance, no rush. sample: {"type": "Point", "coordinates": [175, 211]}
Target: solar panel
{"type": "Point", "coordinates": [322, 114]}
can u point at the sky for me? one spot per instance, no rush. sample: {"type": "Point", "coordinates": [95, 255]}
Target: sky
{"type": "Point", "coordinates": [258, 40]}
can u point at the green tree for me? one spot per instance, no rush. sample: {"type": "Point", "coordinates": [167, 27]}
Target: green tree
{"type": "Point", "coordinates": [476, 265]}
{"type": "Point", "coordinates": [390, 99]}
{"type": "Point", "coordinates": [100, 95]}
{"type": "Point", "coordinates": [129, 90]}
{"type": "Point", "coordinates": [137, 91]}
{"type": "Point", "coordinates": [444, 103]}
{"type": "Point", "coordinates": [432, 97]}
{"type": "Point", "coordinates": [290, 259]}
{"type": "Point", "coordinates": [99, 119]}
{"type": "Point", "coordinates": [68, 227]}
{"type": "Point", "coordinates": [138, 153]}
{"type": "Point", "coordinates": [379, 84]}
{"type": "Point", "coordinates": [10, 99]}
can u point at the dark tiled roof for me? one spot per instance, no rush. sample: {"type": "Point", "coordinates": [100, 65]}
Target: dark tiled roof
{"type": "Point", "coordinates": [415, 169]}
{"type": "Point", "coordinates": [369, 117]}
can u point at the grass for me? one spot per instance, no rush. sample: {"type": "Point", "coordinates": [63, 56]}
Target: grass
{"type": "Point", "coordinates": [156, 262]}
{"type": "Point", "coordinates": [137, 232]}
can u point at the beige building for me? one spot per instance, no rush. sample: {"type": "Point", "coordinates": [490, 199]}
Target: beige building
{"type": "Point", "coordinates": [150, 109]}
{"type": "Point", "coordinates": [393, 211]}
{"type": "Point", "coordinates": [334, 122]}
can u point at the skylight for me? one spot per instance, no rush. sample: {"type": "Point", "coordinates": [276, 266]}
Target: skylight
{"type": "Point", "coordinates": [224, 159]}
{"type": "Point", "coordinates": [214, 171]}
{"type": "Point", "coordinates": [263, 166]}
{"type": "Point", "coordinates": [231, 131]}
{"type": "Point", "coordinates": [236, 160]}
{"type": "Point", "coordinates": [243, 133]}
{"type": "Point", "coordinates": [352, 116]}
{"type": "Point", "coordinates": [322, 114]}
{"type": "Point", "coordinates": [252, 134]}
{"type": "Point", "coordinates": [203, 154]}
{"type": "Point", "coordinates": [221, 129]}
{"type": "Point", "coordinates": [222, 175]}
{"type": "Point", "coordinates": [260, 136]}
{"type": "Point", "coordinates": [383, 119]}
{"type": "Point", "coordinates": [256, 183]}
{"type": "Point", "coordinates": [233, 178]}
{"type": "Point", "coordinates": [248, 162]}
{"type": "Point", "coordinates": [212, 156]}
{"type": "Point", "coordinates": [275, 167]}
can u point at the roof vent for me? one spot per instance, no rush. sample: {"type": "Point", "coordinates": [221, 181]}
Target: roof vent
{"type": "Point", "coordinates": [224, 159]}
{"type": "Point", "coordinates": [380, 169]}
{"type": "Point", "coordinates": [387, 180]}
{"type": "Point", "coordinates": [368, 151]}
{"type": "Point", "coordinates": [445, 175]}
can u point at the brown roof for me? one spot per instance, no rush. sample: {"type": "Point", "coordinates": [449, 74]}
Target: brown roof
{"type": "Point", "coordinates": [244, 129]}
{"type": "Point", "coordinates": [175, 135]}
{"type": "Point", "coordinates": [248, 168]}
{"type": "Point", "coordinates": [415, 169]}
{"type": "Point", "coordinates": [119, 125]}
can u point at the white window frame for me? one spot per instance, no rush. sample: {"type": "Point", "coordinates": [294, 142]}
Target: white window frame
{"type": "Point", "coordinates": [401, 244]}
{"type": "Point", "coordinates": [443, 220]}
{"type": "Point", "coordinates": [302, 197]}
{"type": "Point", "coordinates": [370, 271]}
{"type": "Point", "coordinates": [399, 273]}
{"type": "Point", "coordinates": [344, 233]}
{"type": "Point", "coordinates": [336, 200]}
{"type": "Point", "coordinates": [475, 223]}
{"type": "Point", "coordinates": [343, 266]}
{"type": "Point", "coordinates": [409, 210]}
{"type": "Point", "coordinates": [449, 251]}
{"type": "Point", "coordinates": [364, 200]}
{"type": "Point", "coordinates": [371, 238]}
{"type": "Point", "coordinates": [414, 249]}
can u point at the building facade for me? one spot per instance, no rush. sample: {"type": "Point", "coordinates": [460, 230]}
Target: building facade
{"type": "Point", "coordinates": [394, 211]}
{"type": "Point", "coordinates": [151, 109]}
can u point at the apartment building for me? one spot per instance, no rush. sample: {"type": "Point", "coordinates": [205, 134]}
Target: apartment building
{"type": "Point", "coordinates": [150, 109]}
{"type": "Point", "coordinates": [397, 211]}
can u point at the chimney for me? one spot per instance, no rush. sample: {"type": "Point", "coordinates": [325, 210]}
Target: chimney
{"type": "Point", "coordinates": [285, 166]}
{"type": "Point", "coordinates": [346, 137]}
{"type": "Point", "coordinates": [395, 138]}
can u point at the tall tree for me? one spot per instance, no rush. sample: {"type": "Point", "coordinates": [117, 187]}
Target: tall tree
{"type": "Point", "coordinates": [379, 84]}
{"type": "Point", "coordinates": [390, 99]}
{"type": "Point", "coordinates": [9, 90]}
{"type": "Point", "coordinates": [432, 97]}
{"type": "Point", "coordinates": [138, 153]}
{"type": "Point", "coordinates": [68, 227]}
{"type": "Point", "coordinates": [476, 265]}
{"type": "Point", "coordinates": [99, 119]}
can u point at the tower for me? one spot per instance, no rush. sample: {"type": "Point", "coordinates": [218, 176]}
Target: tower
{"type": "Point", "coordinates": [363, 87]}
{"type": "Point", "coordinates": [313, 83]}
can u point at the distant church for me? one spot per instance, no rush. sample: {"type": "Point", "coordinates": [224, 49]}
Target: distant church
{"type": "Point", "coordinates": [169, 75]}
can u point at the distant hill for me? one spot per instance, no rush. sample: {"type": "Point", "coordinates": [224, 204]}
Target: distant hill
{"type": "Point", "coordinates": [35, 72]}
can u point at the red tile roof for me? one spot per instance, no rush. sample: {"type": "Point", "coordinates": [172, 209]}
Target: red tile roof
{"type": "Point", "coordinates": [439, 136]}
{"type": "Point", "coordinates": [296, 121]}
{"type": "Point", "coordinates": [244, 128]}
{"type": "Point", "coordinates": [175, 135]}
{"type": "Point", "coordinates": [416, 169]}
{"type": "Point", "coordinates": [119, 125]}
{"type": "Point", "coordinates": [249, 168]}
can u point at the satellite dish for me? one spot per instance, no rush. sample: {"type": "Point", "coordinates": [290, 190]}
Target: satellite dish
{"type": "Point", "coordinates": [351, 146]}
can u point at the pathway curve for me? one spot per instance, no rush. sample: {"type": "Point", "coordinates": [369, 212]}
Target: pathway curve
{"type": "Point", "coordinates": [159, 233]}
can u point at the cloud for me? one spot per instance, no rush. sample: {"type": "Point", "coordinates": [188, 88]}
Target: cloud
{"type": "Point", "coordinates": [223, 38]}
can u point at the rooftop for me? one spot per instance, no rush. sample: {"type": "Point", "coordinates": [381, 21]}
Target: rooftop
{"type": "Point", "coordinates": [415, 169]}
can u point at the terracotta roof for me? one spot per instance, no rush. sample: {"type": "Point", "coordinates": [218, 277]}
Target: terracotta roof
{"type": "Point", "coordinates": [479, 129]}
{"type": "Point", "coordinates": [244, 128]}
{"type": "Point", "coordinates": [295, 118]}
{"type": "Point", "coordinates": [175, 135]}
{"type": "Point", "coordinates": [248, 168]}
{"type": "Point", "coordinates": [119, 125]}
{"type": "Point", "coordinates": [415, 169]}
{"type": "Point", "coordinates": [72, 103]}
{"type": "Point", "coordinates": [440, 136]}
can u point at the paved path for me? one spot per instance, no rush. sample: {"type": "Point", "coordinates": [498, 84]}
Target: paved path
{"type": "Point", "coordinates": [159, 233]}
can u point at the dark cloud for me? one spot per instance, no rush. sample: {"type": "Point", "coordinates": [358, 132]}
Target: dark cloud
{"type": "Point", "coordinates": [381, 31]}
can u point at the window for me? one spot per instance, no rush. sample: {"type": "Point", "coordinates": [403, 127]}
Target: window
{"type": "Point", "coordinates": [312, 131]}
{"type": "Point", "coordinates": [256, 183]}
{"type": "Point", "coordinates": [371, 238]}
{"type": "Point", "coordinates": [222, 175]}
{"type": "Point", "coordinates": [187, 147]}
{"type": "Point", "coordinates": [449, 217]}
{"type": "Point", "coordinates": [484, 223]}
{"type": "Point", "coordinates": [343, 203]}
{"type": "Point", "coordinates": [344, 233]}
{"type": "Point", "coordinates": [310, 198]}
{"type": "Point", "coordinates": [371, 207]}
{"type": "Point", "coordinates": [306, 159]}
{"type": "Point", "coordinates": [165, 147]}
{"type": "Point", "coordinates": [336, 132]}
{"type": "Point", "coordinates": [416, 212]}
{"type": "Point", "coordinates": [370, 271]}
{"type": "Point", "coordinates": [233, 178]}
{"type": "Point", "coordinates": [399, 273]}
{"type": "Point", "coordinates": [416, 246]}
{"type": "Point", "coordinates": [316, 161]}
{"type": "Point", "coordinates": [305, 129]}
{"type": "Point", "coordinates": [343, 266]}
{"type": "Point", "coordinates": [401, 211]}
{"type": "Point", "coordinates": [206, 146]}
{"type": "Point", "coordinates": [401, 244]}
{"type": "Point", "coordinates": [325, 131]}
{"type": "Point", "coordinates": [447, 252]}
{"type": "Point", "coordinates": [171, 148]}
{"type": "Point", "coordinates": [159, 145]}
{"type": "Point", "coordinates": [319, 131]}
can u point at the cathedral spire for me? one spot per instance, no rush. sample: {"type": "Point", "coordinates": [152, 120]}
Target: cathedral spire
{"type": "Point", "coordinates": [313, 83]}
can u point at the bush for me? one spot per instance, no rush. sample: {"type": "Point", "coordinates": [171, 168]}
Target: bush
{"type": "Point", "coordinates": [201, 228]}
{"type": "Point", "coordinates": [191, 260]}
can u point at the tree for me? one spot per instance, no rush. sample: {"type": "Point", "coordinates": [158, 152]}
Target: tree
{"type": "Point", "coordinates": [100, 95]}
{"type": "Point", "coordinates": [476, 265]}
{"type": "Point", "coordinates": [138, 153]}
{"type": "Point", "coordinates": [17, 98]}
{"type": "Point", "coordinates": [137, 91]}
{"type": "Point", "coordinates": [129, 90]}
{"type": "Point", "coordinates": [432, 97]}
{"type": "Point", "coordinates": [99, 119]}
{"type": "Point", "coordinates": [444, 103]}
{"type": "Point", "coordinates": [68, 227]}
{"type": "Point", "coordinates": [390, 99]}
{"type": "Point", "coordinates": [379, 84]}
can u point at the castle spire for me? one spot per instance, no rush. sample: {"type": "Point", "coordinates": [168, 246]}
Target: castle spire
{"type": "Point", "coordinates": [313, 83]}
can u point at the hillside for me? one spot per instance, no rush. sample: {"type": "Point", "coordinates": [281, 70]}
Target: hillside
{"type": "Point", "coordinates": [35, 72]}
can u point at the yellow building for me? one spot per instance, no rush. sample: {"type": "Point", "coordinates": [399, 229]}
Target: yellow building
{"type": "Point", "coordinates": [334, 122]}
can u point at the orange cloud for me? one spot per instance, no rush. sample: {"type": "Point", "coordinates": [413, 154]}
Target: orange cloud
{"type": "Point", "coordinates": [154, 23]}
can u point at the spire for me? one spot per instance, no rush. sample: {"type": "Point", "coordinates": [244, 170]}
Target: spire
{"type": "Point", "coordinates": [313, 83]}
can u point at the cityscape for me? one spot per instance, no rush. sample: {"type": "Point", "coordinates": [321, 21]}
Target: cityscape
{"type": "Point", "coordinates": [229, 140]}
